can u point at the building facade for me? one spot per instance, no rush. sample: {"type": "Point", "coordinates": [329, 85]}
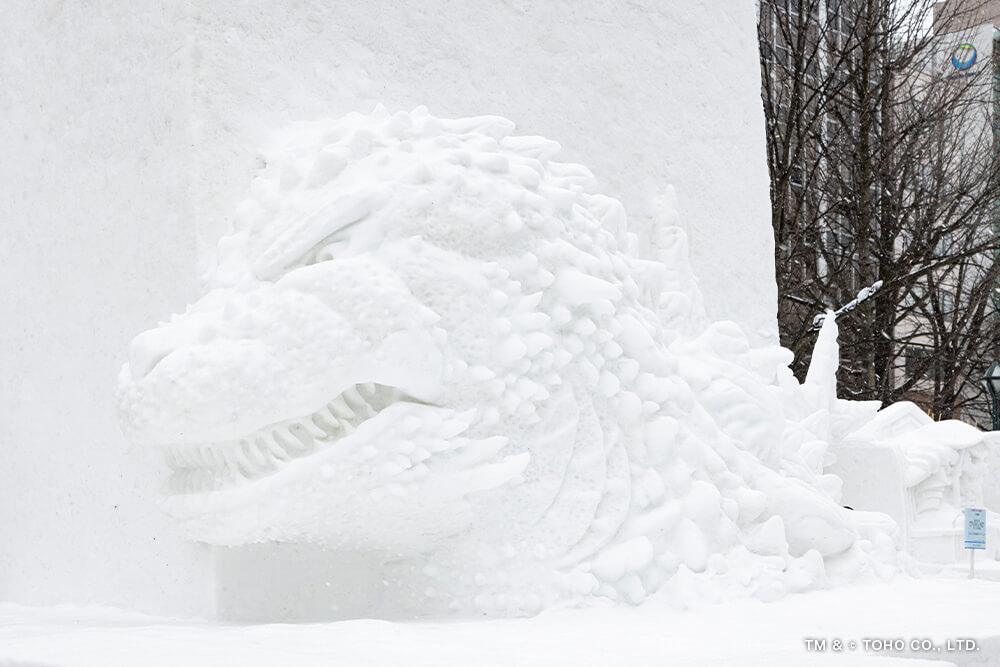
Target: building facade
{"type": "Point", "coordinates": [881, 149]}
{"type": "Point", "coordinates": [965, 61]}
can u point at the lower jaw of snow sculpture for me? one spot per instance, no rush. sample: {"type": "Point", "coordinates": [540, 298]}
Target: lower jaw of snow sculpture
{"type": "Point", "coordinates": [428, 343]}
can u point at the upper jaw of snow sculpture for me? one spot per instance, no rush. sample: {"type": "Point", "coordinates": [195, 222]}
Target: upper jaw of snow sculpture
{"type": "Point", "coordinates": [428, 341]}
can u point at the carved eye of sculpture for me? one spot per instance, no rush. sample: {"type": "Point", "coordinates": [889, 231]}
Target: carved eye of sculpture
{"type": "Point", "coordinates": [338, 245]}
{"type": "Point", "coordinates": [334, 250]}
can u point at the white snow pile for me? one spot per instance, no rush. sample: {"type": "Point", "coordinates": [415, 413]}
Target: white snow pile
{"type": "Point", "coordinates": [427, 341]}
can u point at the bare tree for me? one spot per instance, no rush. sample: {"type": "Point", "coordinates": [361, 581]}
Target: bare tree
{"type": "Point", "coordinates": [882, 157]}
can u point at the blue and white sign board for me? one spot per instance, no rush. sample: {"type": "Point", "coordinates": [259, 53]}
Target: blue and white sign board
{"type": "Point", "coordinates": [975, 529]}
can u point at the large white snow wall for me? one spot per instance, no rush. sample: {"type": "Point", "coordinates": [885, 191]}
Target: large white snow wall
{"type": "Point", "coordinates": [97, 232]}
{"type": "Point", "coordinates": [130, 133]}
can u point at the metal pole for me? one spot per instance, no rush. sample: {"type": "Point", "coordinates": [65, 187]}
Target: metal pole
{"type": "Point", "coordinates": [996, 408]}
{"type": "Point", "coordinates": [972, 563]}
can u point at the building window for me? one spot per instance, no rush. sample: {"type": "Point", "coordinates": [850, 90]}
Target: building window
{"type": "Point", "coordinates": [797, 176]}
{"type": "Point", "coordinates": [946, 302]}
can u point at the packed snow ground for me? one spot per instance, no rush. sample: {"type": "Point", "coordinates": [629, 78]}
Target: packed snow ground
{"type": "Point", "coordinates": [746, 632]}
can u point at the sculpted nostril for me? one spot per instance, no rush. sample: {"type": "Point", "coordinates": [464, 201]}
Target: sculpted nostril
{"type": "Point", "coordinates": [151, 347]}
{"type": "Point", "coordinates": [147, 350]}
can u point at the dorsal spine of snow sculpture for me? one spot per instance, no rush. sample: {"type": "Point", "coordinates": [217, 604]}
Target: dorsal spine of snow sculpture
{"type": "Point", "coordinates": [428, 341]}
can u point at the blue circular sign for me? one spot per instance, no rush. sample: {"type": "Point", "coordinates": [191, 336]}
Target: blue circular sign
{"type": "Point", "coordinates": [964, 56]}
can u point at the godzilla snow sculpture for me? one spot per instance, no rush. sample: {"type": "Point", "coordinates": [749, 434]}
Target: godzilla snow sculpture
{"type": "Point", "coordinates": [427, 341]}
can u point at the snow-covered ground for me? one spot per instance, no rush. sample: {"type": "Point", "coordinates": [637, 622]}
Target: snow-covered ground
{"type": "Point", "coordinates": [931, 613]}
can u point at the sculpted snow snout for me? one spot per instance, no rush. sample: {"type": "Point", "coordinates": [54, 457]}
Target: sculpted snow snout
{"type": "Point", "coordinates": [220, 358]}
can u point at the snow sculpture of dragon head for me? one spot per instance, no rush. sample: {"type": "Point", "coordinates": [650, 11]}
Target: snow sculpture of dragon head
{"type": "Point", "coordinates": [428, 341]}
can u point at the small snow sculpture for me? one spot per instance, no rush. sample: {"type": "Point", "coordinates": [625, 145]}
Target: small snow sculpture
{"type": "Point", "coordinates": [922, 473]}
{"type": "Point", "coordinates": [427, 341]}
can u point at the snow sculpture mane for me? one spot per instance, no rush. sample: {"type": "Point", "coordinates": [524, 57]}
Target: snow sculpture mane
{"type": "Point", "coordinates": [427, 341]}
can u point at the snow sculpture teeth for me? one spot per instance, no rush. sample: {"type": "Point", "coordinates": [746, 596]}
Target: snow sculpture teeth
{"type": "Point", "coordinates": [257, 457]}
{"type": "Point", "coordinates": [339, 407]}
{"type": "Point", "coordinates": [310, 427]}
{"type": "Point", "coordinates": [201, 468]}
{"type": "Point", "coordinates": [275, 450]}
{"type": "Point", "coordinates": [288, 441]}
{"type": "Point", "coordinates": [243, 463]}
{"type": "Point", "coordinates": [326, 421]}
